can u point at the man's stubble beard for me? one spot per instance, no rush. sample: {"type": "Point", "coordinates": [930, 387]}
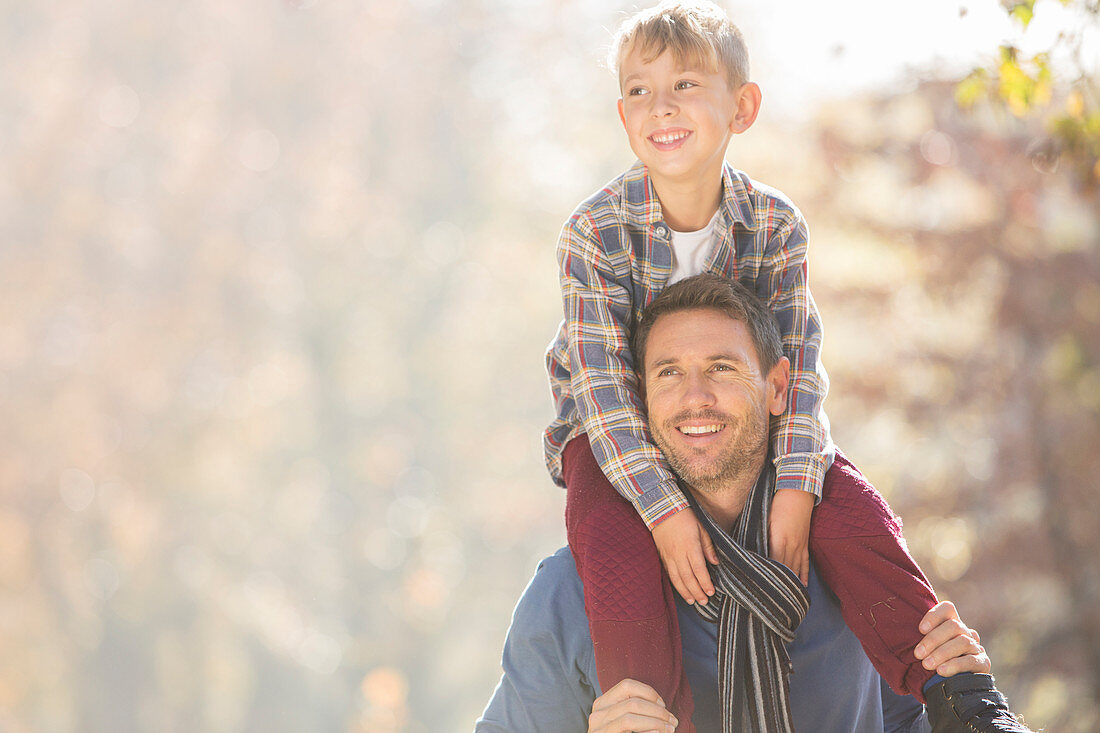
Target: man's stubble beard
{"type": "Point", "coordinates": [741, 461]}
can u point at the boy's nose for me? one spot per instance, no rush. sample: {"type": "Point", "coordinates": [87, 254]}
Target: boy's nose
{"type": "Point", "coordinates": [663, 105]}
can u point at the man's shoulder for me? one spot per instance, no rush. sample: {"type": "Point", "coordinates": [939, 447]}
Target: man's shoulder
{"type": "Point", "coordinates": [549, 629]}
{"type": "Point", "coordinates": [553, 597]}
{"type": "Point", "coordinates": [548, 664]}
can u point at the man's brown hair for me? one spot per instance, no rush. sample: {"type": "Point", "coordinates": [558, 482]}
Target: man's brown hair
{"type": "Point", "coordinates": [725, 295]}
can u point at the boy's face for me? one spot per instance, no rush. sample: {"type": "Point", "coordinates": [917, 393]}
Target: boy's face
{"type": "Point", "coordinates": [679, 117]}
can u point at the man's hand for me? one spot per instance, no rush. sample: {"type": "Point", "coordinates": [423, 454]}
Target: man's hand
{"type": "Point", "coordinates": [685, 547]}
{"type": "Point", "coordinates": [789, 530]}
{"type": "Point", "coordinates": [631, 707]}
{"type": "Point", "coordinates": [949, 646]}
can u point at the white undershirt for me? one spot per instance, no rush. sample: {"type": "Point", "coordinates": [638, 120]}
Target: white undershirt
{"type": "Point", "coordinates": [690, 250]}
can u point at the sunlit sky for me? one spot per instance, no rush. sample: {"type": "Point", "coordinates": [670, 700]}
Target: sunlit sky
{"type": "Point", "coordinates": [804, 50]}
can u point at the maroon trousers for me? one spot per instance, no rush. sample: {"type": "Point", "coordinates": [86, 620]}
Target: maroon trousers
{"type": "Point", "coordinates": [855, 544]}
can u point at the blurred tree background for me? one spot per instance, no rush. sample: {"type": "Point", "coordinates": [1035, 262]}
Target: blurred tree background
{"type": "Point", "coordinates": [275, 285]}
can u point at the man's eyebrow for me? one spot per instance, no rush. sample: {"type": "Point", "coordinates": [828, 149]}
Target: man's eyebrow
{"type": "Point", "coordinates": [727, 357]}
{"type": "Point", "coordinates": [667, 361]}
{"type": "Point", "coordinates": [663, 362]}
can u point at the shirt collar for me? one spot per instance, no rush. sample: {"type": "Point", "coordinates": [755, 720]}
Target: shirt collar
{"type": "Point", "coordinates": [640, 206]}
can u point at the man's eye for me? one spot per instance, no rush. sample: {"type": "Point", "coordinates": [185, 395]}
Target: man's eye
{"type": "Point", "coordinates": [722, 368]}
{"type": "Point", "coordinates": [666, 372]}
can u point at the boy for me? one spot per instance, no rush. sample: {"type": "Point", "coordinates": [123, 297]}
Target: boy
{"type": "Point", "coordinates": [681, 210]}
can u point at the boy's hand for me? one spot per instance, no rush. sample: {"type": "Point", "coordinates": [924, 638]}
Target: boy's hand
{"type": "Point", "coordinates": [685, 548]}
{"type": "Point", "coordinates": [789, 530]}
{"type": "Point", "coordinates": [950, 646]}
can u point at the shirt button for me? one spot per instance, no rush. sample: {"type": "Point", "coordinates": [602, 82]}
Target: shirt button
{"type": "Point", "coordinates": [661, 231]}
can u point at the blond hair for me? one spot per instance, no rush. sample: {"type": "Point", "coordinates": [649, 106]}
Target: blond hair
{"type": "Point", "coordinates": [697, 32]}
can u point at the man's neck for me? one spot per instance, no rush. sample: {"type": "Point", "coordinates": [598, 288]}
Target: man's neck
{"type": "Point", "coordinates": [687, 205]}
{"type": "Point", "coordinates": [725, 501]}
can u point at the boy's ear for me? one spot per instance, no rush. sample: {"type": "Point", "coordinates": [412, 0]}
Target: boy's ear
{"type": "Point", "coordinates": [622, 115]}
{"type": "Point", "coordinates": [748, 106]}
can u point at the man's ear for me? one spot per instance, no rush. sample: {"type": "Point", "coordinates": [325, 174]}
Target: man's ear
{"type": "Point", "coordinates": [777, 382]}
{"type": "Point", "coordinates": [622, 114]}
{"type": "Point", "coordinates": [749, 98]}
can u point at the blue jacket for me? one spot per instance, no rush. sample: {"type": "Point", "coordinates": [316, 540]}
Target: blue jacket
{"type": "Point", "coordinates": [549, 680]}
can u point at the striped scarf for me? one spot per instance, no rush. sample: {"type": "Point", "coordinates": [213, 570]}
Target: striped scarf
{"type": "Point", "coordinates": [760, 603]}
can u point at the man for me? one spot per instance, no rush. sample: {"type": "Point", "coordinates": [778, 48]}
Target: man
{"type": "Point", "coordinates": [712, 373]}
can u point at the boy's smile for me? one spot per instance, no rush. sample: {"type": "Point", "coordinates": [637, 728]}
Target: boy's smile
{"type": "Point", "coordinates": [669, 139]}
{"type": "Point", "coordinates": [678, 116]}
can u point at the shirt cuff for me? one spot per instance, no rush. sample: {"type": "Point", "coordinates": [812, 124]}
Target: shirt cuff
{"type": "Point", "coordinates": [660, 503]}
{"type": "Point", "coordinates": [802, 471]}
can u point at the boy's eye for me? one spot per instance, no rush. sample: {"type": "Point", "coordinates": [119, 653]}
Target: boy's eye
{"type": "Point", "coordinates": [636, 91]}
{"type": "Point", "coordinates": [685, 84]}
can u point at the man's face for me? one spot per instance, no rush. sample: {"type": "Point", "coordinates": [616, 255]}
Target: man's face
{"type": "Point", "coordinates": [709, 403]}
{"type": "Point", "coordinates": [678, 119]}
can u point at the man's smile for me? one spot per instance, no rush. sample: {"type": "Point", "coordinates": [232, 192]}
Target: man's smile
{"type": "Point", "coordinates": [700, 429]}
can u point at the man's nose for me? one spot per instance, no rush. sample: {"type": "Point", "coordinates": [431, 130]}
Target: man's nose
{"type": "Point", "coordinates": [698, 391]}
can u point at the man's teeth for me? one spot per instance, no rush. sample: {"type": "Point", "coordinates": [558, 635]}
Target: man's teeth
{"type": "Point", "coordinates": [669, 137]}
{"type": "Point", "coordinates": [690, 430]}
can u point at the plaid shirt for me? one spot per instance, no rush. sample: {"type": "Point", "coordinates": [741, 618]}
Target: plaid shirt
{"type": "Point", "coordinates": [615, 258]}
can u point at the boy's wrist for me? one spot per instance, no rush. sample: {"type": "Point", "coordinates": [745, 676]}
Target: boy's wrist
{"type": "Point", "coordinates": [671, 509]}
{"type": "Point", "coordinates": [794, 500]}
{"type": "Point", "coordinates": [802, 472]}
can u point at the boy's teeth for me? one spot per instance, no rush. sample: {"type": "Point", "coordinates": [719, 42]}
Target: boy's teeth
{"type": "Point", "coordinates": [671, 137]}
{"type": "Point", "coordinates": [690, 430]}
